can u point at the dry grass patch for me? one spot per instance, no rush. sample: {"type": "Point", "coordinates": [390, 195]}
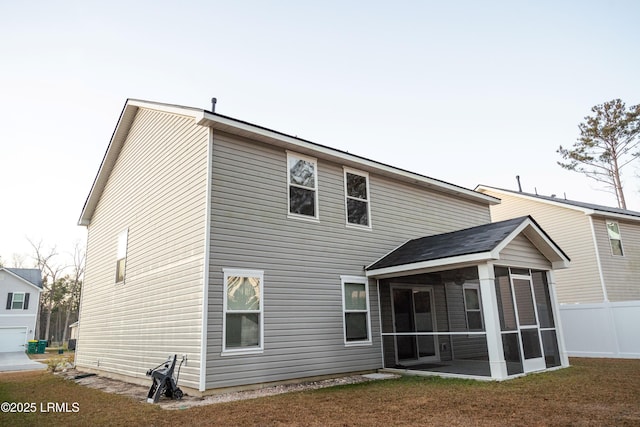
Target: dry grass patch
{"type": "Point", "coordinates": [592, 392]}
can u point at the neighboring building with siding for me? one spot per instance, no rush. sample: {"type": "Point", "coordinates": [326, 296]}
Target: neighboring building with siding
{"type": "Point", "coordinates": [20, 288]}
{"type": "Point", "coordinates": [256, 255]}
{"type": "Point", "coordinates": [600, 293]}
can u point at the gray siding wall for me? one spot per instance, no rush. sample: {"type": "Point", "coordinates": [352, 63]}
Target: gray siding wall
{"type": "Point", "coordinates": [571, 230]}
{"type": "Point", "coordinates": [303, 260]}
{"type": "Point", "coordinates": [621, 273]}
{"type": "Point", "coordinates": [157, 191]}
{"type": "Point", "coordinates": [520, 252]}
{"type": "Point", "coordinates": [25, 318]}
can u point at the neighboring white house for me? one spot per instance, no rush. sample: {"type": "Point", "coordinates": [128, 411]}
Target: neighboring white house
{"type": "Point", "coordinates": [20, 288]}
{"type": "Point", "coordinates": [600, 293]}
{"type": "Point", "coordinates": [262, 257]}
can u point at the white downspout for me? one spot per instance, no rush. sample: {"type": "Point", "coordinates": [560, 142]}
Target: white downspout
{"type": "Point", "coordinates": [598, 262]}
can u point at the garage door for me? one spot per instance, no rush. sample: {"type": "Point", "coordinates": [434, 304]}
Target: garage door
{"type": "Point", "coordinates": [13, 339]}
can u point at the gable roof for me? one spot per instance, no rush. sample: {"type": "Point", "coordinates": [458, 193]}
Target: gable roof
{"type": "Point", "coordinates": [32, 276]}
{"type": "Point", "coordinates": [471, 245]}
{"type": "Point", "coordinates": [245, 129]}
{"type": "Point", "coordinates": [587, 208]}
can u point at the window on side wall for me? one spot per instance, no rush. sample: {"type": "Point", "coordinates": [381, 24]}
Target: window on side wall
{"type": "Point", "coordinates": [17, 301]}
{"type": "Point", "coordinates": [302, 181]}
{"type": "Point", "coordinates": [357, 198]}
{"type": "Point", "coordinates": [614, 238]}
{"type": "Point", "coordinates": [243, 311]}
{"type": "Point", "coordinates": [355, 305]}
{"type": "Point", "coordinates": [472, 307]}
{"type": "Point", "coordinates": [121, 258]}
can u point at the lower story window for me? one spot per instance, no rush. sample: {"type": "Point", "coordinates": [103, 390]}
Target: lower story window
{"type": "Point", "coordinates": [355, 303]}
{"type": "Point", "coordinates": [243, 313]}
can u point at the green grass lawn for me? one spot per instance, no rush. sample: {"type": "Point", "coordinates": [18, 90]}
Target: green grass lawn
{"type": "Point", "coordinates": [592, 392]}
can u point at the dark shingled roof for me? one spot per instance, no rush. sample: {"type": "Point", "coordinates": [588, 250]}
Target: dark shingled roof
{"type": "Point", "coordinates": [31, 275]}
{"type": "Point", "coordinates": [483, 238]}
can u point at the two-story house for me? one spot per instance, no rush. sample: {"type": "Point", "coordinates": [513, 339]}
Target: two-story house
{"type": "Point", "coordinates": [259, 257]}
{"type": "Point", "coordinates": [600, 293]}
{"type": "Point", "coordinates": [21, 288]}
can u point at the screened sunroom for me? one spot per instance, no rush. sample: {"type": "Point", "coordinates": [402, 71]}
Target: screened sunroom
{"type": "Point", "coordinates": [478, 302]}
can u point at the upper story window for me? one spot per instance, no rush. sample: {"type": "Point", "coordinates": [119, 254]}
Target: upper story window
{"type": "Point", "coordinates": [121, 258]}
{"type": "Point", "coordinates": [614, 238]}
{"type": "Point", "coordinates": [17, 301]}
{"type": "Point", "coordinates": [357, 198]}
{"type": "Point", "coordinates": [302, 180]}
{"type": "Point", "coordinates": [243, 311]}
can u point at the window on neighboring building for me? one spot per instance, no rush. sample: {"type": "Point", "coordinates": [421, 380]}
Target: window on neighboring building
{"type": "Point", "coordinates": [17, 301]}
{"type": "Point", "coordinates": [121, 258]}
{"type": "Point", "coordinates": [357, 198]}
{"type": "Point", "coordinates": [614, 238]}
{"type": "Point", "coordinates": [302, 179]}
{"type": "Point", "coordinates": [355, 303]}
{"type": "Point", "coordinates": [243, 312]}
{"type": "Point", "coordinates": [472, 306]}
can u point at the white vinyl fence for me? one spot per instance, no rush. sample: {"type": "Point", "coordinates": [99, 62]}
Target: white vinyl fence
{"type": "Point", "coordinates": [609, 329]}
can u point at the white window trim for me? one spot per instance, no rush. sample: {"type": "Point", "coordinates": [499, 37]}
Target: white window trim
{"type": "Point", "coordinates": [606, 222]}
{"type": "Point", "coordinates": [313, 160]}
{"type": "Point", "coordinates": [123, 245]}
{"type": "Point", "coordinates": [475, 286]}
{"type": "Point", "coordinates": [13, 296]}
{"type": "Point", "coordinates": [346, 197]}
{"type": "Point", "coordinates": [363, 280]}
{"type": "Point", "coordinates": [243, 273]}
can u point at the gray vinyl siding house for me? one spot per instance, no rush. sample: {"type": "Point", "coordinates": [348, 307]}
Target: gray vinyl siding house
{"type": "Point", "coordinates": [20, 289]}
{"type": "Point", "coordinates": [600, 293]}
{"type": "Point", "coordinates": [253, 253]}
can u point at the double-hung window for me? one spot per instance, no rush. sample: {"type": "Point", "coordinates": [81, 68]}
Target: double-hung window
{"type": "Point", "coordinates": [121, 258]}
{"type": "Point", "coordinates": [17, 301]}
{"type": "Point", "coordinates": [243, 311]}
{"type": "Point", "coordinates": [357, 198]}
{"type": "Point", "coordinates": [355, 306]}
{"type": "Point", "coordinates": [472, 307]}
{"type": "Point", "coordinates": [614, 238]}
{"type": "Point", "coordinates": [302, 180]}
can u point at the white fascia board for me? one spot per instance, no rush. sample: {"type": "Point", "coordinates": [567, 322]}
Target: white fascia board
{"type": "Point", "coordinates": [118, 137]}
{"type": "Point", "coordinates": [419, 267]}
{"type": "Point", "coordinates": [225, 124]}
{"type": "Point", "coordinates": [586, 211]}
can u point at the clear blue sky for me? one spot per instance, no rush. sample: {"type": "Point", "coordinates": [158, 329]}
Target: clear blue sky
{"type": "Point", "coordinates": [470, 92]}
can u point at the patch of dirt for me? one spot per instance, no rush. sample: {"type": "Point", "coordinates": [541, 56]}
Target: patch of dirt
{"type": "Point", "coordinates": [138, 392]}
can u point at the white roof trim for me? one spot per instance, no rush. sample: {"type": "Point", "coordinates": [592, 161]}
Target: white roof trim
{"type": "Point", "coordinates": [431, 265]}
{"type": "Point", "coordinates": [236, 127]}
{"type": "Point", "coordinates": [586, 211]}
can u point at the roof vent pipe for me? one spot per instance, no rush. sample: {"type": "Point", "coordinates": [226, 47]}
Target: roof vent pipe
{"type": "Point", "coordinates": [213, 105]}
{"type": "Point", "coordinates": [519, 186]}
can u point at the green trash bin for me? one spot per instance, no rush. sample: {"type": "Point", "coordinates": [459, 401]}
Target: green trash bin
{"type": "Point", "coordinates": [42, 346]}
{"type": "Point", "coordinates": [32, 346]}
